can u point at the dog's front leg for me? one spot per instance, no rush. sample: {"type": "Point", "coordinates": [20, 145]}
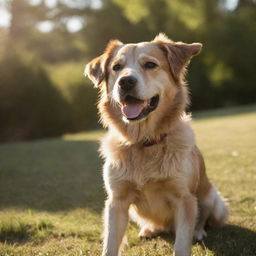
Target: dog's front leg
{"type": "Point", "coordinates": [185, 218]}
{"type": "Point", "coordinates": [115, 222]}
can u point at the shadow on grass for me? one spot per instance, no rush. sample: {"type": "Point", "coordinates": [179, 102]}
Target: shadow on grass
{"type": "Point", "coordinates": [13, 235]}
{"type": "Point", "coordinates": [222, 112]}
{"type": "Point", "coordinates": [229, 240]}
{"type": "Point", "coordinates": [51, 175]}
{"type": "Point", "coordinates": [17, 231]}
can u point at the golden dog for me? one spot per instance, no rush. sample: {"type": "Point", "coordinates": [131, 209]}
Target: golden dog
{"type": "Point", "coordinates": [153, 171]}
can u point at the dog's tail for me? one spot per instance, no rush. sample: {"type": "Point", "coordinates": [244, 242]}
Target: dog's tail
{"type": "Point", "coordinates": [219, 214]}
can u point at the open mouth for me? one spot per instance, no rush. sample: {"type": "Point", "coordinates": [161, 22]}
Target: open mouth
{"type": "Point", "coordinates": [136, 109]}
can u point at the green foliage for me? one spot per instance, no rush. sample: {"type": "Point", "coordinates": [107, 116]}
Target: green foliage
{"type": "Point", "coordinates": [134, 10]}
{"type": "Point", "coordinates": [34, 106]}
{"type": "Point", "coordinates": [43, 92]}
{"type": "Point", "coordinates": [77, 91]}
{"type": "Point", "coordinates": [30, 106]}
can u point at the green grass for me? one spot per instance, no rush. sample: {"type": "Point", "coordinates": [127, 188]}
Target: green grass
{"type": "Point", "coordinates": [51, 192]}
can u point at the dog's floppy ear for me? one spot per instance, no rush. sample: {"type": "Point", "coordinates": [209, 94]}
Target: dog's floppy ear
{"type": "Point", "coordinates": [96, 69]}
{"type": "Point", "coordinates": [178, 54]}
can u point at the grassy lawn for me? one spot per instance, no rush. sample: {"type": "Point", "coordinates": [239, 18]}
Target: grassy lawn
{"type": "Point", "coordinates": [51, 192]}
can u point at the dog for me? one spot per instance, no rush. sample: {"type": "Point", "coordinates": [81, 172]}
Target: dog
{"type": "Point", "coordinates": [154, 174]}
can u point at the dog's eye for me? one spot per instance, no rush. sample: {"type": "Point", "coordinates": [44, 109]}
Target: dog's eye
{"type": "Point", "coordinates": [117, 67]}
{"type": "Point", "coordinates": [150, 65]}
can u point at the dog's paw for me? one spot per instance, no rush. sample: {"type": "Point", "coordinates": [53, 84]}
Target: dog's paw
{"type": "Point", "coordinates": [146, 233]}
{"type": "Point", "coordinates": [200, 234]}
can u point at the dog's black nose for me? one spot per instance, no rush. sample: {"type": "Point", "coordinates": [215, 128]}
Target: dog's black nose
{"type": "Point", "coordinates": [127, 82]}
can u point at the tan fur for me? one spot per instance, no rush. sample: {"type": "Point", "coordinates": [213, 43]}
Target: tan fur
{"type": "Point", "coordinates": [164, 187]}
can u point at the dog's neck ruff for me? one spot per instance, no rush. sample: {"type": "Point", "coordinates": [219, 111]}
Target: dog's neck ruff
{"type": "Point", "coordinates": [149, 143]}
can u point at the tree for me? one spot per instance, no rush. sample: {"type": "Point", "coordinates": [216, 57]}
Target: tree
{"type": "Point", "coordinates": [24, 19]}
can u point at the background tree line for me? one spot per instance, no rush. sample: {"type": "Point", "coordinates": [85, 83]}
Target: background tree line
{"type": "Point", "coordinates": [42, 89]}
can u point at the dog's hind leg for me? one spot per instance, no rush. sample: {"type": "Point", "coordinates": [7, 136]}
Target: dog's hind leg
{"type": "Point", "coordinates": [213, 208]}
{"type": "Point", "coordinates": [211, 205]}
{"type": "Point", "coordinates": [204, 213]}
{"type": "Point", "coordinates": [147, 229]}
{"type": "Point", "coordinates": [219, 209]}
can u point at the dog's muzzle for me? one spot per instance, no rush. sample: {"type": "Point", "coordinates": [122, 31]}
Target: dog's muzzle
{"type": "Point", "coordinates": [135, 109]}
{"type": "Point", "coordinates": [127, 83]}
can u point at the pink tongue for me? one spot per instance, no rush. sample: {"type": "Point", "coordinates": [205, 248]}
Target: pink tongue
{"type": "Point", "coordinates": [132, 110]}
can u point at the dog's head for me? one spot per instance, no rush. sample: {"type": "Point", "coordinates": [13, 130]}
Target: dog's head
{"type": "Point", "coordinates": [139, 79]}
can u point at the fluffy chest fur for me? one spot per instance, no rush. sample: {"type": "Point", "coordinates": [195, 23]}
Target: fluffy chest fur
{"type": "Point", "coordinates": [172, 159]}
{"type": "Point", "coordinates": [152, 179]}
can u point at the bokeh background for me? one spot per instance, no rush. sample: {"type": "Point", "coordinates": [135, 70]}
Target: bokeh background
{"type": "Point", "coordinates": [44, 46]}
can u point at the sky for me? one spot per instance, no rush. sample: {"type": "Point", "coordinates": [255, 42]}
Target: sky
{"type": "Point", "coordinates": [74, 24]}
